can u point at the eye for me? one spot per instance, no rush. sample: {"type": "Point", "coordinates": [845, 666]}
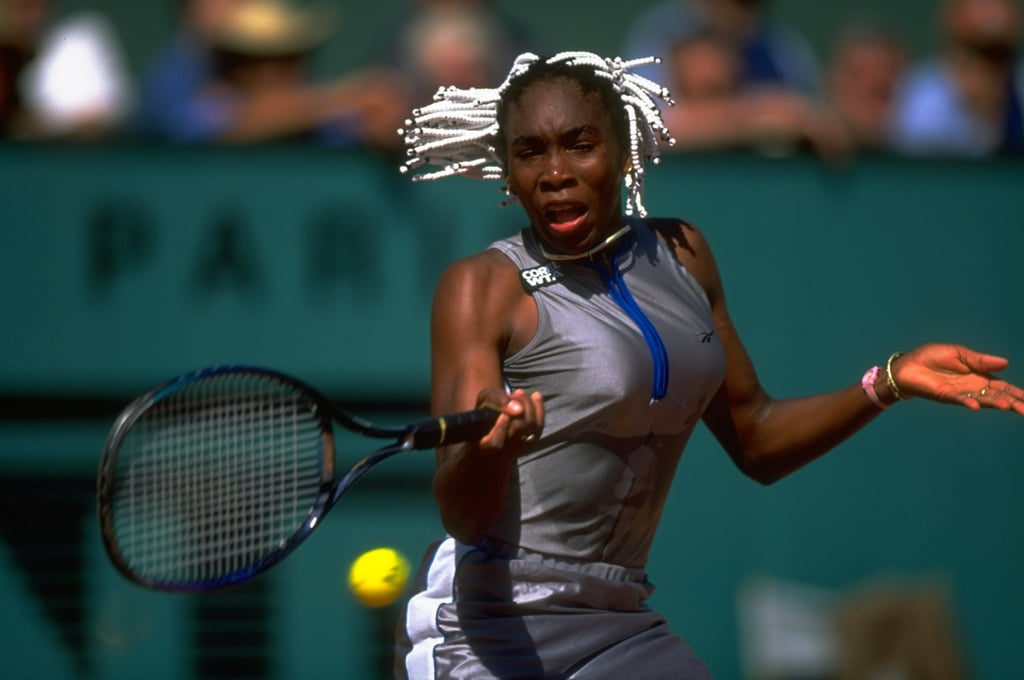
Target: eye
{"type": "Point", "coordinates": [527, 151]}
{"type": "Point", "coordinates": [583, 147]}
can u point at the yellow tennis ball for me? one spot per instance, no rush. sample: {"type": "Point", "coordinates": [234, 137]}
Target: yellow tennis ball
{"type": "Point", "coordinates": [378, 577]}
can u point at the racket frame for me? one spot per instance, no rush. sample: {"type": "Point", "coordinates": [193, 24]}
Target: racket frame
{"type": "Point", "coordinates": [421, 434]}
{"type": "Point", "coordinates": [322, 410]}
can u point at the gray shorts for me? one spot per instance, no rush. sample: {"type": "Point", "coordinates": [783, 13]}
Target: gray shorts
{"type": "Point", "coordinates": [483, 613]}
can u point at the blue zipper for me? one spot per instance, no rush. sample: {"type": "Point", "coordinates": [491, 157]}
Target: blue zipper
{"type": "Point", "coordinates": [620, 294]}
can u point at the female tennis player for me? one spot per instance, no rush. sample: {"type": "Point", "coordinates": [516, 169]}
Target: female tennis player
{"type": "Point", "coordinates": [603, 338]}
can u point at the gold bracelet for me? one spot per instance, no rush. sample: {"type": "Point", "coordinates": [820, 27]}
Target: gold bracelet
{"type": "Point", "coordinates": [889, 379]}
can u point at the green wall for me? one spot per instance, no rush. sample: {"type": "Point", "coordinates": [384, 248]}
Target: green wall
{"type": "Point", "coordinates": [122, 266]}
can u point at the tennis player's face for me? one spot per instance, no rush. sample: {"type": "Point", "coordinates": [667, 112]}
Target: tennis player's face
{"type": "Point", "coordinates": [565, 164]}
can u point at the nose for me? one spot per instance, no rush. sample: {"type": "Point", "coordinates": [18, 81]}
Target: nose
{"type": "Point", "coordinates": [555, 174]}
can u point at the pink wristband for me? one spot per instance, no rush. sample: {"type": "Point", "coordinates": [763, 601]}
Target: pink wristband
{"type": "Point", "coordinates": [868, 383]}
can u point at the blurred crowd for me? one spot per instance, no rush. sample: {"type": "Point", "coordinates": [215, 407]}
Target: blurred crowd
{"type": "Point", "coordinates": [242, 71]}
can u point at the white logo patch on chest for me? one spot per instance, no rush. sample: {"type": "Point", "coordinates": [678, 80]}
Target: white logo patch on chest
{"type": "Point", "coordinates": [538, 277]}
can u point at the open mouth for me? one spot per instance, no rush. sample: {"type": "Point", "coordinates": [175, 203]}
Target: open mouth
{"type": "Point", "coordinates": [566, 217]}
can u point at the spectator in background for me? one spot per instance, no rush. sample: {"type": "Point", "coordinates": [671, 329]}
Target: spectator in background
{"type": "Point", "coordinates": [967, 101]}
{"type": "Point", "coordinates": [767, 54]}
{"type": "Point", "coordinates": [715, 111]}
{"type": "Point", "coordinates": [239, 72]}
{"type": "Point", "coordinates": [864, 72]}
{"type": "Point", "coordinates": [176, 103]}
{"type": "Point", "coordinates": [21, 27]}
{"type": "Point", "coordinates": [60, 79]}
{"type": "Point", "coordinates": [739, 80]}
{"type": "Point", "coordinates": [465, 43]}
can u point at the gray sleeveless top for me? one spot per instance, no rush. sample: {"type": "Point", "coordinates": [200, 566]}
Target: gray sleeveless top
{"type": "Point", "coordinates": [619, 405]}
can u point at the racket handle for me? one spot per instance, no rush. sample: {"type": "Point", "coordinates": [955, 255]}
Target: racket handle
{"type": "Point", "coordinates": [452, 428]}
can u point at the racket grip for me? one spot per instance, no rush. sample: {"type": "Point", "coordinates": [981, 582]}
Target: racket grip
{"type": "Point", "coordinates": [453, 428]}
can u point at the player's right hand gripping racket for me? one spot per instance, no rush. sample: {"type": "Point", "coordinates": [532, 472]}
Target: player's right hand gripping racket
{"type": "Point", "coordinates": [217, 475]}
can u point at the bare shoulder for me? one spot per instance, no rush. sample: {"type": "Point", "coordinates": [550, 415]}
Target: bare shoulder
{"type": "Point", "coordinates": [480, 299]}
{"type": "Point", "coordinates": [485, 275]}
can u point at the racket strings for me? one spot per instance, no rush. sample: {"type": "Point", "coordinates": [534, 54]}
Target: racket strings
{"type": "Point", "coordinates": [216, 477]}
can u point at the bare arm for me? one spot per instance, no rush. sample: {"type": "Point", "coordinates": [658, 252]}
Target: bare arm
{"type": "Point", "coordinates": [769, 120]}
{"type": "Point", "coordinates": [479, 312]}
{"type": "Point", "coordinates": [375, 100]}
{"type": "Point", "coordinates": [769, 438]}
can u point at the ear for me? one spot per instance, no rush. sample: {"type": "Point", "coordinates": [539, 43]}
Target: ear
{"type": "Point", "coordinates": [627, 165]}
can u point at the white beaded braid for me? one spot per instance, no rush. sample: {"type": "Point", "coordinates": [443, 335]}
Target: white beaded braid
{"type": "Point", "coordinates": [457, 132]}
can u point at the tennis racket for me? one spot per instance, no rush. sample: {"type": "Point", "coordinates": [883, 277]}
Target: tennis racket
{"type": "Point", "coordinates": [217, 475]}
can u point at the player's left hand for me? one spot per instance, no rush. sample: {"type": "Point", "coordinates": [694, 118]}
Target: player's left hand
{"type": "Point", "coordinates": [955, 374]}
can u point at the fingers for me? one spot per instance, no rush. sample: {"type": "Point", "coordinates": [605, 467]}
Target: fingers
{"type": "Point", "coordinates": [996, 394]}
{"type": "Point", "coordinates": [981, 363]}
{"type": "Point", "coordinates": [956, 374]}
{"type": "Point", "coordinates": [526, 428]}
{"type": "Point", "coordinates": [520, 422]}
{"type": "Point", "coordinates": [537, 404]}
